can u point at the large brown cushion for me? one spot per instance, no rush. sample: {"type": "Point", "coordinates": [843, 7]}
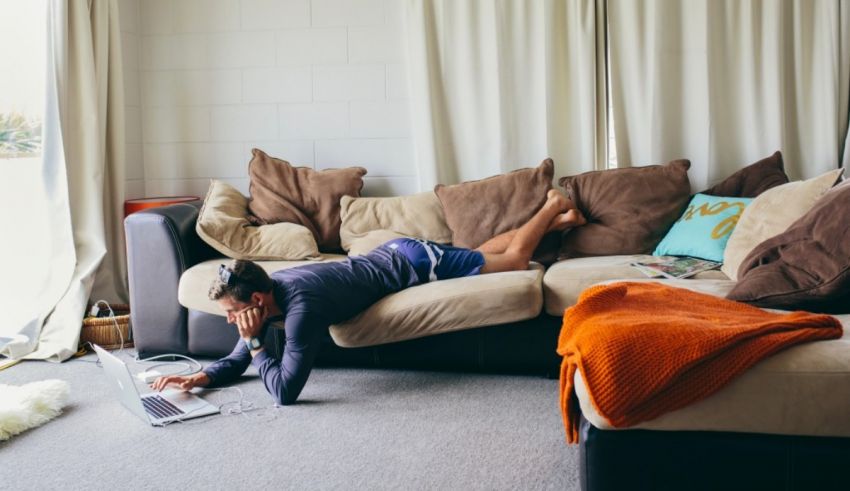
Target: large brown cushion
{"type": "Point", "coordinates": [770, 214]}
{"type": "Point", "coordinates": [222, 224]}
{"type": "Point", "coordinates": [283, 193]}
{"type": "Point", "coordinates": [479, 210]}
{"type": "Point", "coordinates": [806, 267]}
{"type": "Point", "coordinates": [753, 179]}
{"type": "Point", "coordinates": [628, 210]}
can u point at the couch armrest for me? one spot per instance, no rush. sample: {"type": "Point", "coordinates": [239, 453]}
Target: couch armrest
{"type": "Point", "coordinates": [161, 245]}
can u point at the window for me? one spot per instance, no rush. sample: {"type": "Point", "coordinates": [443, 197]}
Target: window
{"type": "Point", "coordinates": [25, 239]}
{"type": "Point", "coordinates": [22, 69]}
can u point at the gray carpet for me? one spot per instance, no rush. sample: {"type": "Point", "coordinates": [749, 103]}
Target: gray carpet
{"type": "Point", "coordinates": [352, 429]}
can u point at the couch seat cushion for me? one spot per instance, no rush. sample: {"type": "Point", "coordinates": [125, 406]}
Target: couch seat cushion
{"type": "Point", "coordinates": [195, 281]}
{"type": "Point", "coordinates": [423, 310]}
{"type": "Point", "coordinates": [566, 279]}
{"type": "Point", "coordinates": [444, 306]}
{"type": "Point", "coordinates": [804, 390]}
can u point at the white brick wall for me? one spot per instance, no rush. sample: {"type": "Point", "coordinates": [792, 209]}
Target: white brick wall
{"type": "Point", "coordinates": [130, 18]}
{"type": "Point", "coordinates": [320, 83]}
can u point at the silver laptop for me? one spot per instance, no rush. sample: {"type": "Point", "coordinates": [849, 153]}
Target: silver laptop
{"type": "Point", "coordinates": [157, 408]}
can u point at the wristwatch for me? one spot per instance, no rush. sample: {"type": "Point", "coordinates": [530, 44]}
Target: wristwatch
{"type": "Point", "coordinates": [254, 343]}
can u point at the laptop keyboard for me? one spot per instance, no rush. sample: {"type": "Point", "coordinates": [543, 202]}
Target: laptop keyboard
{"type": "Point", "coordinates": [158, 407]}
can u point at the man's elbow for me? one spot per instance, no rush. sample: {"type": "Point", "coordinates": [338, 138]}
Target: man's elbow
{"type": "Point", "coordinates": [284, 399]}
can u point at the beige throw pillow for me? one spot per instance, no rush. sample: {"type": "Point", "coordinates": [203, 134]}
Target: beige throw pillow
{"type": "Point", "coordinates": [222, 224]}
{"type": "Point", "coordinates": [770, 214]}
{"type": "Point", "coordinates": [364, 245]}
{"type": "Point", "coordinates": [418, 215]}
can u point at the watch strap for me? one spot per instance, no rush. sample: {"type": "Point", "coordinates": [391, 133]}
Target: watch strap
{"type": "Point", "coordinates": [254, 343]}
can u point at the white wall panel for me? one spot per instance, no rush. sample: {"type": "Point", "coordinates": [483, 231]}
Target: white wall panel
{"type": "Point", "coordinates": [319, 83]}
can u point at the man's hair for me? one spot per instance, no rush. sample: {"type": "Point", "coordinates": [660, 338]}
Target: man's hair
{"type": "Point", "coordinates": [239, 280]}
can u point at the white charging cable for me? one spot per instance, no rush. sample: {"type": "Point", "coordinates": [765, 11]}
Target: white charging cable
{"type": "Point", "coordinates": [95, 310]}
{"type": "Point", "coordinates": [151, 374]}
{"type": "Point", "coordinates": [240, 407]}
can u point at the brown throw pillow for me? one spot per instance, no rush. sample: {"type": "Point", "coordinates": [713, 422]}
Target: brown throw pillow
{"type": "Point", "coordinates": [628, 210]}
{"type": "Point", "coordinates": [479, 210]}
{"type": "Point", "coordinates": [283, 193]}
{"type": "Point", "coordinates": [807, 267]}
{"type": "Point", "coordinates": [753, 179]}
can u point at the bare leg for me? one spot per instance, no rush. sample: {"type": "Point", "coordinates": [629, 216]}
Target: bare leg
{"type": "Point", "coordinates": [525, 239]}
{"type": "Point", "coordinates": [499, 244]}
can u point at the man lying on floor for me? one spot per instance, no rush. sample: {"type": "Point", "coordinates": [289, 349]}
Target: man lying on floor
{"type": "Point", "coordinates": [312, 297]}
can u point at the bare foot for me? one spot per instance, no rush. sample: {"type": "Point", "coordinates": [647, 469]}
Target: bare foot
{"type": "Point", "coordinates": [570, 219]}
{"type": "Point", "coordinates": [557, 199]}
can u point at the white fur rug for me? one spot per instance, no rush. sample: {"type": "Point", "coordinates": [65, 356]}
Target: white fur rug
{"type": "Point", "coordinates": [30, 405]}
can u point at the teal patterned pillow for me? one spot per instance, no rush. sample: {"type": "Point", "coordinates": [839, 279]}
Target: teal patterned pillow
{"type": "Point", "coordinates": [703, 230]}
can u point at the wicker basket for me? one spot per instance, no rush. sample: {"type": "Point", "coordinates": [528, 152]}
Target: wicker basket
{"type": "Point", "coordinates": [101, 330]}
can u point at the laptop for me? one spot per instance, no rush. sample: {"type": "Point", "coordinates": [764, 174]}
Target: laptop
{"type": "Point", "coordinates": [157, 408]}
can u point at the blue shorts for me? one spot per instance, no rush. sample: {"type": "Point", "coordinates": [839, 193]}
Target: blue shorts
{"type": "Point", "coordinates": [438, 262]}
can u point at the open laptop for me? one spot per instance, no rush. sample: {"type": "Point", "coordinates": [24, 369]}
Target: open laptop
{"type": "Point", "coordinates": [157, 408]}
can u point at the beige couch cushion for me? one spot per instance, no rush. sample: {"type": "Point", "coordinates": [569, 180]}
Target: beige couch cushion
{"type": "Point", "coordinates": [804, 390]}
{"type": "Point", "coordinates": [422, 310]}
{"type": "Point", "coordinates": [447, 305]}
{"type": "Point", "coordinates": [565, 280]}
{"type": "Point", "coordinates": [418, 215]}
{"type": "Point", "coordinates": [770, 214]}
{"type": "Point", "coordinates": [222, 224]}
{"type": "Point", "coordinates": [195, 281]}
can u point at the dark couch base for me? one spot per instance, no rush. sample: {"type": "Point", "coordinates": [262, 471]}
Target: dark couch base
{"type": "Point", "coordinates": [676, 460]}
{"type": "Point", "coordinates": [526, 347]}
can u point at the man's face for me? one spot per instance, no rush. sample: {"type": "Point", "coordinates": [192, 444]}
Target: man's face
{"type": "Point", "coordinates": [233, 307]}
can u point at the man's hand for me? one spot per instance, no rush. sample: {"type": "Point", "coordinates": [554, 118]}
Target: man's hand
{"type": "Point", "coordinates": [182, 382]}
{"type": "Point", "coordinates": [250, 321]}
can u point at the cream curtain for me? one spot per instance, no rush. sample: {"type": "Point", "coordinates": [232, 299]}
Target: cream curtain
{"type": "Point", "coordinates": [83, 175]}
{"type": "Point", "coordinates": [726, 82]}
{"type": "Point", "coordinates": [500, 85]}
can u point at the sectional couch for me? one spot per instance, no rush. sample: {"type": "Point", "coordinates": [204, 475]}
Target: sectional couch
{"type": "Point", "coordinates": [783, 424]}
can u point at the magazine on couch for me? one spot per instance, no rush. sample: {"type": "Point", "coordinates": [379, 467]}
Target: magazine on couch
{"type": "Point", "coordinates": [674, 267]}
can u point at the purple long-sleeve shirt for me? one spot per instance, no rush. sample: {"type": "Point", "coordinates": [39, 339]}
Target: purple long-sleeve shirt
{"type": "Point", "coordinates": [312, 297]}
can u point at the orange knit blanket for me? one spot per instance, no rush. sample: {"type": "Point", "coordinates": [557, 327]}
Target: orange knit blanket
{"type": "Point", "coordinates": [645, 349]}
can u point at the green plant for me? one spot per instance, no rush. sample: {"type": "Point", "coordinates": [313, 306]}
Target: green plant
{"type": "Point", "coordinates": [18, 135]}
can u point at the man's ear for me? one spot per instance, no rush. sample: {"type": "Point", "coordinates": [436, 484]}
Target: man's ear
{"type": "Point", "coordinates": [257, 298]}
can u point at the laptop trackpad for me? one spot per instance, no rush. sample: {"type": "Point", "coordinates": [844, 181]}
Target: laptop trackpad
{"type": "Point", "coordinates": [184, 400]}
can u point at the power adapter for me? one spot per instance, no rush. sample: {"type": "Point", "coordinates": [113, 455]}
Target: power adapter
{"type": "Point", "coordinates": [149, 376]}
